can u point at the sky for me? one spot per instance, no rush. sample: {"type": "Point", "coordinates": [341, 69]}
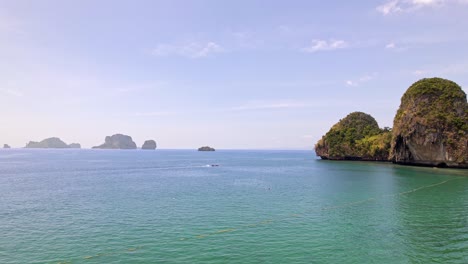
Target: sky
{"type": "Point", "coordinates": [240, 74]}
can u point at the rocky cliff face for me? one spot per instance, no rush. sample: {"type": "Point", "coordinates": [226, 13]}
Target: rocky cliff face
{"type": "Point", "coordinates": [431, 125]}
{"type": "Point", "coordinates": [355, 137]}
{"type": "Point", "coordinates": [149, 144]}
{"type": "Point", "coordinates": [52, 142]}
{"type": "Point", "coordinates": [117, 141]}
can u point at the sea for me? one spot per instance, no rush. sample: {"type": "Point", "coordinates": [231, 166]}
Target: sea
{"type": "Point", "coordinates": [227, 206]}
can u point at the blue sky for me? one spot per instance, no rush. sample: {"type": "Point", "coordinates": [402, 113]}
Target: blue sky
{"type": "Point", "coordinates": [229, 74]}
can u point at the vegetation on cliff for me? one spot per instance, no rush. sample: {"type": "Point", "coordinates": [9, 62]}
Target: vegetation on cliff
{"type": "Point", "coordinates": [431, 125]}
{"type": "Point", "coordinates": [355, 137]}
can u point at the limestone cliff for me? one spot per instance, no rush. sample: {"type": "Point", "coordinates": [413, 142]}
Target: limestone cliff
{"type": "Point", "coordinates": [355, 137]}
{"type": "Point", "coordinates": [149, 144]}
{"type": "Point", "coordinates": [431, 125]}
{"type": "Point", "coordinates": [117, 141]}
{"type": "Point", "coordinates": [52, 142]}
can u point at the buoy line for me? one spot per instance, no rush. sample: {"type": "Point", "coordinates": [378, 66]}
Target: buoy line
{"type": "Point", "coordinates": [266, 222]}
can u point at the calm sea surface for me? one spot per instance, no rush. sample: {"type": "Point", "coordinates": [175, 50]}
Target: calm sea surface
{"type": "Point", "coordinates": [168, 206]}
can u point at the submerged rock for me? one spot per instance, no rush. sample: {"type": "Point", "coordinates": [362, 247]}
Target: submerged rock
{"type": "Point", "coordinates": [149, 144]}
{"type": "Point", "coordinates": [52, 142]}
{"type": "Point", "coordinates": [6, 146]}
{"type": "Point", "coordinates": [206, 148]}
{"type": "Point", "coordinates": [117, 141]}
{"type": "Point", "coordinates": [431, 125]}
{"type": "Point", "coordinates": [355, 137]}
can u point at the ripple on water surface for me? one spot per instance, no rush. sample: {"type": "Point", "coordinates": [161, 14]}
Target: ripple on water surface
{"type": "Point", "coordinates": [85, 206]}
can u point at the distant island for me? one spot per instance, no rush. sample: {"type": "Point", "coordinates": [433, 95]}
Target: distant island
{"type": "Point", "coordinates": [52, 142]}
{"type": "Point", "coordinates": [6, 146]}
{"type": "Point", "coordinates": [149, 144]}
{"type": "Point", "coordinates": [117, 141]}
{"type": "Point", "coordinates": [206, 148]}
{"type": "Point", "coordinates": [429, 129]}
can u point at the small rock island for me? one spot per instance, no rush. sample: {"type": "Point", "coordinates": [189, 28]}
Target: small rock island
{"type": "Point", "coordinates": [149, 144]}
{"type": "Point", "coordinates": [206, 148]}
{"type": "Point", "coordinates": [431, 125]}
{"type": "Point", "coordinates": [6, 146]}
{"type": "Point", "coordinates": [355, 137]}
{"type": "Point", "coordinates": [117, 141]}
{"type": "Point", "coordinates": [52, 142]}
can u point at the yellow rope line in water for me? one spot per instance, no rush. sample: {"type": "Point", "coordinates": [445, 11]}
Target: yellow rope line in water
{"type": "Point", "coordinates": [110, 253]}
{"type": "Point", "coordinates": [421, 188]}
{"type": "Point", "coordinates": [389, 195]}
{"type": "Point", "coordinates": [348, 204]}
{"type": "Point", "coordinates": [229, 230]}
{"type": "Point", "coordinates": [372, 199]}
{"type": "Point", "coordinates": [266, 222]}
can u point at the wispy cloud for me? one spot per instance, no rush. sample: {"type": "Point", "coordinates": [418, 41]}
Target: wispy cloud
{"type": "Point", "coordinates": [456, 68]}
{"type": "Point", "coordinates": [152, 114]}
{"type": "Point", "coordinates": [245, 39]}
{"type": "Point", "coordinates": [11, 92]}
{"type": "Point", "coordinates": [264, 105]}
{"type": "Point", "coordinates": [460, 68]}
{"type": "Point", "coordinates": [420, 72]}
{"type": "Point", "coordinates": [397, 6]}
{"type": "Point", "coordinates": [417, 41]}
{"type": "Point", "coordinates": [192, 50]}
{"type": "Point", "coordinates": [391, 45]}
{"type": "Point", "coordinates": [325, 45]}
{"type": "Point", "coordinates": [284, 29]}
{"type": "Point", "coordinates": [141, 87]}
{"type": "Point", "coordinates": [10, 24]}
{"type": "Point", "coordinates": [280, 106]}
{"type": "Point", "coordinates": [359, 81]}
{"type": "Point", "coordinates": [389, 7]}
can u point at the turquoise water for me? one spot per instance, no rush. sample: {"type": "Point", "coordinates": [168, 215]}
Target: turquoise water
{"type": "Point", "coordinates": [98, 206]}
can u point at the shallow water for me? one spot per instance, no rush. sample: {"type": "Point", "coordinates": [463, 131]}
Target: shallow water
{"type": "Point", "coordinates": [168, 206]}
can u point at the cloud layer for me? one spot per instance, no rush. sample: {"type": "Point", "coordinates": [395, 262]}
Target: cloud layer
{"type": "Point", "coordinates": [325, 45]}
{"type": "Point", "coordinates": [359, 81]}
{"type": "Point", "coordinates": [11, 92]}
{"type": "Point", "coordinates": [192, 50]}
{"type": "Point", "coordinates": [396, 6]}
{"type": "Point", "coordinates": [265, 105]}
